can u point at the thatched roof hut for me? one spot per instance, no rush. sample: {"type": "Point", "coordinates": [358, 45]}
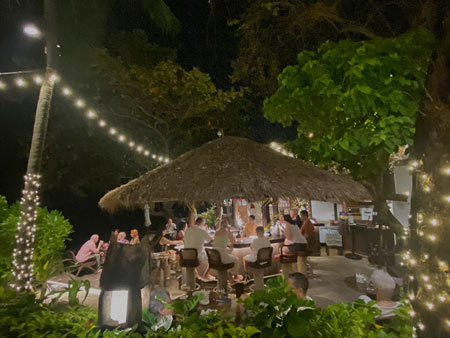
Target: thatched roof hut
{"type": "Point", "coordinates": [232, 167]}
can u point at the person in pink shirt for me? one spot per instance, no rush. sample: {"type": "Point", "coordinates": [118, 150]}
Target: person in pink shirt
{"type": "Point", "coordinates": [90, 250]}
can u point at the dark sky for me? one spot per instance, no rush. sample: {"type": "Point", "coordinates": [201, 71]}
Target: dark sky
{"type": "Point", "coordinates": [205, 41]}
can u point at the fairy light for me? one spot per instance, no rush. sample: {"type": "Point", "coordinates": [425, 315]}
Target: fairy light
{"type": "Point", "coordinates": [434, 222]}
{"type": "Point", "coordinates": [415, 164]}
{"type": "Point", "coordinates": [421, 326]}
{"type": "Point", "coordinates": [90, 114]}
{"type": "Point", "coordinates": [310, 135]}
{"type": "Point", "coordinates": [412, 261]}
{"type": "Point", "coordinates": [20, 82]}
{"type": "Point", "coordinates": [22, 269]}
{"type": "Point", "coordinates": [442, 298]}
{"type": "Point", "coordinates": [432, 238]}
{"type": "Point", "coordinates": [412, 313]}
{"type": "Point", "coordinates": [426, 278]}
{"type": "Point", "coordinates": [427, 189]}
{"type": "Point", "coordinates": [447, 198]}
{"type": "Point", "coordinates": [79, 103]}
{"type": "Point", "coordinates": [430, 306]}
{"type": "Point", "coordinates": [429, 286]}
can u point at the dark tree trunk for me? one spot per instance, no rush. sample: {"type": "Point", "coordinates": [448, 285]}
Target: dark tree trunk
{"type": "Point", "coordinates": [22, 272]}
{"type": "Point", "coordinates": [430, 222]}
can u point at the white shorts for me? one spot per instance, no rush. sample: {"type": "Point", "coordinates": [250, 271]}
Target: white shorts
{"type": "Point", "coordinates": [251, 258]}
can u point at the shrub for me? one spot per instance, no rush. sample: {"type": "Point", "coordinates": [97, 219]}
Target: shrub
{"type": "Point", "coordinates": [51, 234]}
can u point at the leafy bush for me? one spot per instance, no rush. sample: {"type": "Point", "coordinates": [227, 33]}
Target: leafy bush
{"type": "Point", "coordinates": [210, 217]}
{"type": "Point", "coordinates": [52, 232]}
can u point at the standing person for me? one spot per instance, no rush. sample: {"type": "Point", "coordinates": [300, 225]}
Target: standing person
{"type": "Point", "coordinates": [258, 243]}
{"type": "Point", "coordinates": [134, 237]}
{"type": "Point", "coordinates": [222, 239]}
{"type": "Point", "coordinates": [294, 218]}
{"type": "Point", "coordinates": [90, 250]}
{"type": "Point", "coordinates": [250, 227]}
{"type": "Point", "coordinates": [194, 238]}
{"type": "Point", "coordinates": [309, 232]}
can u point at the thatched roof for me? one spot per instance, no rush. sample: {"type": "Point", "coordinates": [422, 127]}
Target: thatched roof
{"type": "Point", "coordinates": [231, 167]}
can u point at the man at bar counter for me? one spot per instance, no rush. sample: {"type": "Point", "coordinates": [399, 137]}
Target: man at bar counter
{"type": "Point", "coordinates": [294, 218]}
{"type": "Point", "coordinates": [250, 227]}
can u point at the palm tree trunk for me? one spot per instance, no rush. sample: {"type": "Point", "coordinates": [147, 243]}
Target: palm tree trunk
{"type": "Point", "coordinates": [22, 271]}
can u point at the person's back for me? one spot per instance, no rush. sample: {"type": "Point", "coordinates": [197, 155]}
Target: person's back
{"type": "Point", "coordinates": [297, 236]}
{"type": "Point", "coordinates": [259, 243]}
{"type": "Point", "coordinates": [194, 238]}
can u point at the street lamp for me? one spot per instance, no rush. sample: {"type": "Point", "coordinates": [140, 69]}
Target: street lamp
{"type": "Point", "coordinates": [32, 31]}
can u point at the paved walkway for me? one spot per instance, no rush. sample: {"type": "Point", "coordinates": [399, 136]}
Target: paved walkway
{"type": "Point", "coordinates": [329, 283]}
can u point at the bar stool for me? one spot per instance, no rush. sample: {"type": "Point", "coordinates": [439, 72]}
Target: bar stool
{"type": "Point", "coordinates": [263, 260]}
{"type": "Point", "coordinates": [215, 263]}
{"type": "Point", "coordinates": [286, 260]}
{"type": "Point", "coordinates": [189, 261]}
{"type": "Point", "coordinates": [302, 257]}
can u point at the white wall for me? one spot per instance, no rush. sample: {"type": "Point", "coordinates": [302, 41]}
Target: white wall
{"type": "Point", "coordinates": [323, 211]}
{"type": "Point", "coordinates": [403, 183]}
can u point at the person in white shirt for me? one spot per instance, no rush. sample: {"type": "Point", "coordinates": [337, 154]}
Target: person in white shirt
{"type": "Point", "coordinates": [258, 243]}
{"type": "Point", "coordinates": [194, 238]}
{"type": "Point", "coordinates": [384, 286]}
{"type": "Point", "coordinates": [294, 239]}
{"type": "Point", "coordinates": [170, 226]}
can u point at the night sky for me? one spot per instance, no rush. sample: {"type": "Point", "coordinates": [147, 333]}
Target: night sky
{"type": "Point", "coordinates": [205, 41]}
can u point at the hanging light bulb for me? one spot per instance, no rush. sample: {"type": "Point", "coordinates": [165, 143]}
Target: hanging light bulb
{"type": "Point", "coordinates": [112, 131]}
{"type": "Point", "coordinates": [20, 82]}
{"type": "Point", "coordinates": [90, 114]}
{"type": "Point", "coordinates": [79, 103]}
{"type": "Point", "coordinates": [139, 149]}
{"type": "Point", "coordinates": [37, 79]}
{"type": "Point", "coordinates": [131, 144]}
{"type": "Point", "coordinates": [102, 123]}
{"type": "Point", "coordinates": [146, 153]}
{"type": "Point", "coordinates": [66, 91]}
{"type": "Point", "coordinates": [121, 138]}
{"type": "Point", "coordinates": [32, 30]}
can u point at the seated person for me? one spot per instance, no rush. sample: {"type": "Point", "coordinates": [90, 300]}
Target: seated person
{"type": "Point", "coordinates": [250, 227]}
{"type": "Point", "coordinates": [384, 286]}
{"type": "Point", "coordinates": [258, 243]}
{"type": "Point", "coordinates": [294, 239]}
{"type": "Point", "coordinates": [180, 231]}
{"type": "Point", "coordinates": [90, 250]}
{"type": "Point", "coordinates": [165, 241]}
{"type": "Point", "coordinates": [299, 284]}
{"type": "Point", "coordinates": [195, 237]}
{"type": "Point", "coordinates": [159, 310]}
{"type": "Point", "coordinates": [134, 237]}
{"type": "Point", "coordinates": [122, 238]}
{"type": "Point", "coordinates": [116, 232]}
{"type": "Point", "coordinates": [170, 226]}
{"type": "Point", "coordinates": [222, 239]}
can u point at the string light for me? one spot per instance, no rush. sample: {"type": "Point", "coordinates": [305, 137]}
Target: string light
{"type": "Point", "coordinates": [432, 238]}
{"type": "Point", "coordinates": [434, 222]}
{"type": "Point", "coordinates": [310, 135]}
{"type": "Point", "coordinates": [91, 114]}
{"type": "Point", "coordinates": [20, 82]}
{"type": "Point", "coordinates": [279, 148]}
{"type": "Point", "coordinates": [79, 103]}
{"type": "Point", "coordinates": [430, 306]}
{"type": "Point", "coordinates": [23, 263]}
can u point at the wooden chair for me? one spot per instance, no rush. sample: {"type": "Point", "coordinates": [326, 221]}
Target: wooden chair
{"type": "Point", "coordinates": [263, 260]}
{"type": "Point", "coordinates": [80, 266]}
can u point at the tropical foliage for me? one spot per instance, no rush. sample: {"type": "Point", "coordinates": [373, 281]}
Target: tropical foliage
{"type": "Point", "coordinates": [52, 232]}
{"type": "Point", "coordinates": [355, 102]}
{"type": "Point", "coordinates": [276, 312]}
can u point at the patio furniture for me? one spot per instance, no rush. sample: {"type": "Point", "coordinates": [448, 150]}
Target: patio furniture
{"type": "Point", "coordinates": [286, 260]}
{"type": "Point", "coordinates": [189, 261]}
{"type": "Point", "coordinates": [333, 240]}
{"type": "Point", "coordinates": [215, 263]}
{"type": "Point", "coordinates": [80, 266]}
{"type": "Point", "coordinates": [302, 257]}
{"type": "Point", "coordinates": [264, 260]}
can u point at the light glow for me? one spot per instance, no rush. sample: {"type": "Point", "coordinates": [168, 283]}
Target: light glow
{"type": "Point", "coordinates": [119, 305]}
{"type": "Point", "coordinates": [31, 30]}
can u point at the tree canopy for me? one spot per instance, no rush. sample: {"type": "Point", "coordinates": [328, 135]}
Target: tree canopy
{"type": "Point", "coordinates": [355, 102]}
